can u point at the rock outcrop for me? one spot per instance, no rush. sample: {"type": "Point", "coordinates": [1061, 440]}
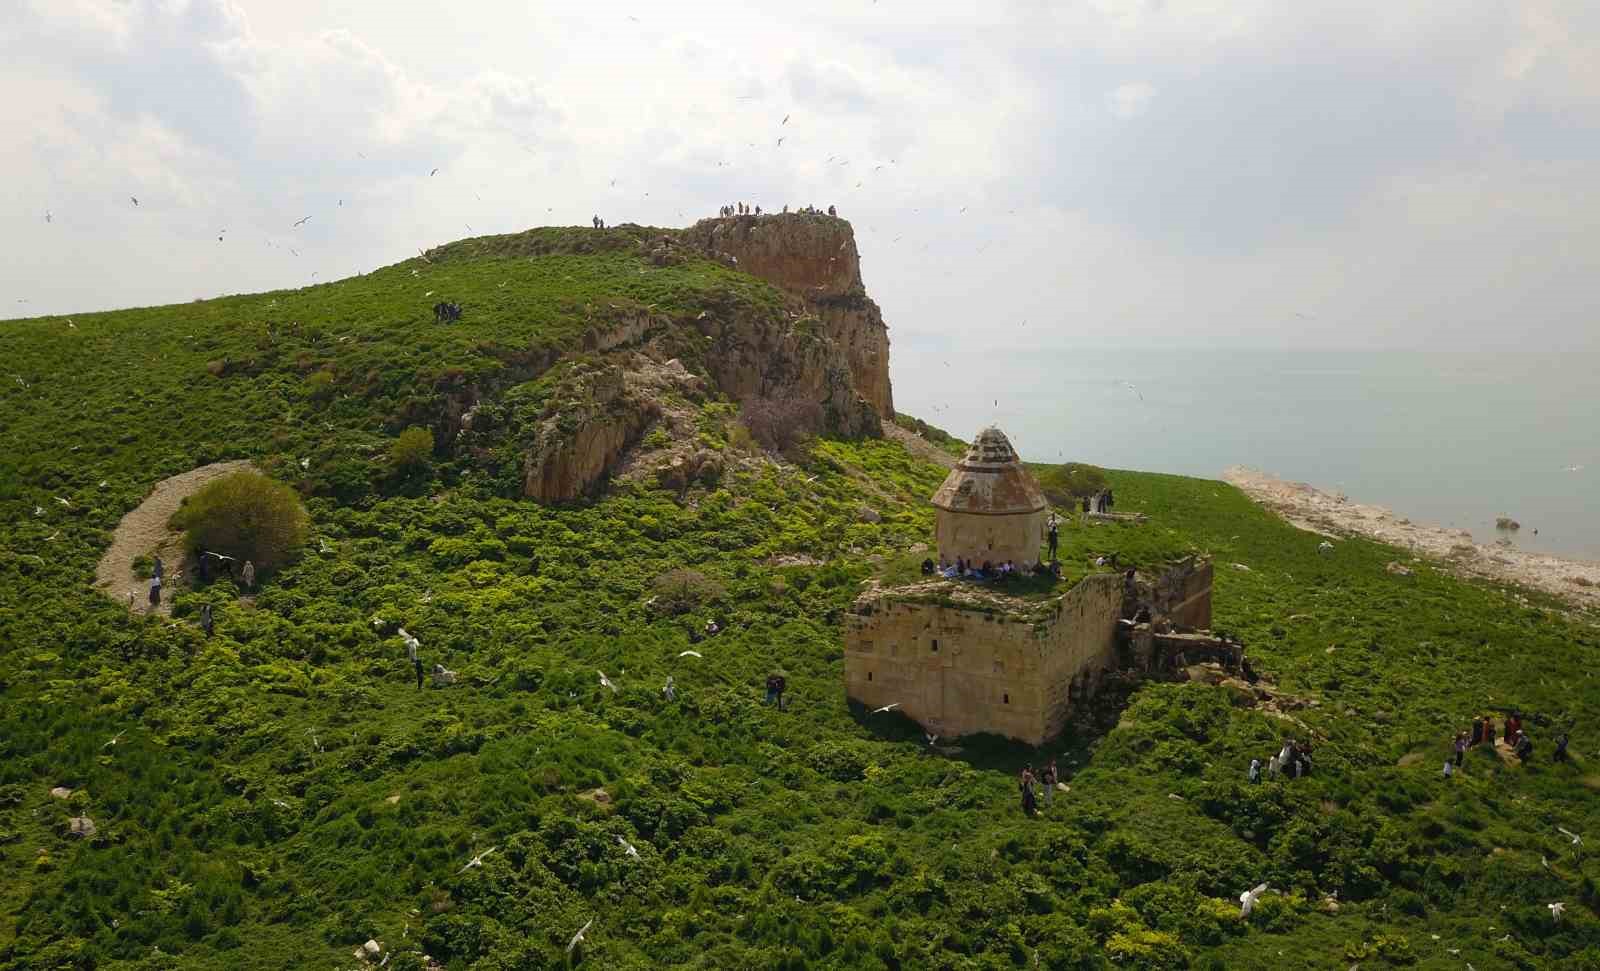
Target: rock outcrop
{"type": "Point", "coordinates": [571, 417]}
{"type": "Point", "coordinates": [813, 257]}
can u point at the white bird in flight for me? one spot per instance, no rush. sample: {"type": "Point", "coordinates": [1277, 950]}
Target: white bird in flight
{"type": "Point", "coordinates": [931, 738]}
{"type": "Point", "coordinates": [690, 654]}
{"type": "Point", "coordinates": [578, 937]}
{"type": "Point", "coordinates": [476, 861]}
{"type": "Point", "coordinates": [63, 502]}
{"type": "Point", "coordinates": [1576, 839]}
{"type": "Point", "coordinates": [628, 847]}
{"type": "Point", "coordinates": [1556, 910]}
{"type": "Point", "coordinates": [302, 220]}
{"type": "Point", "coordinates": [1247, 900]}
{"type": "Point", "coordinates": [889, 707]}
{"type": "Point", "coordinates": [605, 682]}
{"type": "Point", "coordinates": [114, 738]}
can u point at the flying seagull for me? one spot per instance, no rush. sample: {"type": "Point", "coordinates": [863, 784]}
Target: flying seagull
{"type": "Point", "coordinates": [1130, 387]}
{"type": "Point", "coordinates": [1576, 839]}
{"type": "Point", "coordinates": [690, 654]}
{"type": "Point", "coordinates": [785, 121]}
{"type": "Point", "coordinates": [135, 199]}
{"type": "Point", "coordinates": [1247, 900]}
{"type": "Point", "coordinates": [114, 738]}
{"type": "Point", "coordinates": [476, 861]}
{"type": "Point", "coordinates": [1556, 910]}
{"type": "Point", "coordinates": [930, 737]}
{"type": "Point", "coordinates": [605, 682]}
{"type": "Point", "coordinates": [433, 173]}
{"type": "Point", "coordinates": [780, 141]}
{"type": "Point", "coordinates": [302, 221]}
{"type": "Point", "coordinates": [890, 707]}
{"type": "Point", "coordinates": [47, 215]}
{"type": "Point", "coordinates": [628, 847]}
{"type": "Point", "coordinates": [578, 937]}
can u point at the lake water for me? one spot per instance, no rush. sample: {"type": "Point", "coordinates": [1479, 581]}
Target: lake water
{"type": "Point", "coordinates": [1454, 439]}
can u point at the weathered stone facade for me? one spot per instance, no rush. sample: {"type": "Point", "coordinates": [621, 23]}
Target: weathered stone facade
{"type": "Point", "coordinates": [1181, 595]}
{"type": "Point", "coordinates": [958, 668]}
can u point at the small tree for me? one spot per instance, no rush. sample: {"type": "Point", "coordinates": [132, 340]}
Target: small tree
{"type": "Point", "coordinates": [1074, 480]}
{"type": "Point", "coordinates": [781, 423]}
{"type": "Point", "coordinates": [247, 516]}
{"type": "Point", "coordinates": [682, 590]}
{"type": "Point", "coordinates": [413, 449]}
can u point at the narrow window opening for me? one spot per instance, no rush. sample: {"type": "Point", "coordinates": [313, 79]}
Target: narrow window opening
{"type": "Point", "coordinates": [1005, 699]}
{"type": "Point", "coordinates": [869, 675]}
{"type": "Point", "coordinates": [936, 645]}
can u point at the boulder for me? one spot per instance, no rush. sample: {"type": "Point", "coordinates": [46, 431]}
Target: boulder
{"type": "Point", "coordinates": [867, 514]}
{"type": "Point", "coordinates": [81, 826]}
{"type": "Point", "coordinates": [1399, 569]}
{"type": "Point", "coordinates": [61, 792]}
{"type": "Point", "coordinates": [373, 948]}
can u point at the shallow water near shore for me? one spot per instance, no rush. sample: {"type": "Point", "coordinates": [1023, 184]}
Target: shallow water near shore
{"type": "Point", "coordinates": [1456, 439]}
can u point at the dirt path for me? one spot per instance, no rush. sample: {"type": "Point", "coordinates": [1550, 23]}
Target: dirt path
{"type": "Point", "coordinates": [918, 446]}
{"type": "Point", "coordinates": [144, 531]}
{"type": "Point", "coordinates": [1334, 515]}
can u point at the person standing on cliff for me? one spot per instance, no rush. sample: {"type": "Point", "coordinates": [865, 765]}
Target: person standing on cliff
{"type": "Point", "coordinates": [1048, 778]}
{"type": "Point", "coordinates": [249, 575]}
{"type": "Point", "coordinates": [832, 211]}
{"type": "Point", "coordinates": [1053, 525]}
{"type": "Point", "coordinates": [1030, 805]}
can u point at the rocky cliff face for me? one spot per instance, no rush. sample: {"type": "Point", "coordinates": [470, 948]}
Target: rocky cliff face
{"type": "Point", "coordinates": [577, 421]}
{"type": "Point", "coordinates": [813, 257]}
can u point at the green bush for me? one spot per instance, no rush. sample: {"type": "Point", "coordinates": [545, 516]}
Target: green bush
{"type": "Point", "coordinates": [682, 590]}
{"type": "Point", "coordinates": [1072, 480]}
{"type": "Point", "coordinates": [247, 516]}
{"type": "Point", "coordinates": [412, 450]}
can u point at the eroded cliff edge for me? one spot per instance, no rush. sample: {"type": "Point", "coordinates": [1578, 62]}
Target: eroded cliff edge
{"type": "Point", "coordinates": [574, 419]}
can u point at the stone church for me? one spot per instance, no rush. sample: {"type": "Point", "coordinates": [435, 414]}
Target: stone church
{"type": "Point", "coordinates": [961, 657]}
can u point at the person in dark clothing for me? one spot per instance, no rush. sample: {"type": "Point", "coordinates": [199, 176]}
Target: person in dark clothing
{"type": "Point", "coordinates": [155, 591]}
{"type": "Point", "coordinates": [1524, 746]}
{"type": "Point", "coordinates": [158, 569]}
{"type": "Point", "coordinates": [775, 688]}
{"type": "Point", "coordinates": [206, 623]}
{"type": "Point", "coordinates": [1054, 534]}
{"type": "Point", "coordinates": [1477, 732]}
{"type": "Point", "coordinates": [1560, 754]}
{"type": "Point", "coordinates": [832, 211]}
{"type": "Point", "coordinates": [1111, 499]}
{"type": "Point", "coordinates": [1086, 504]}
{"type": "Point", "coordinates": [1030, 805]}
{"type": "Point", "coordinates": [927, 566]}
{"type": "Point", "coordinates": [1048, 778]}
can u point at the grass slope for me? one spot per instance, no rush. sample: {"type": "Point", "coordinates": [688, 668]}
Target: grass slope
{"type": "Point", "coordinates": [248, 815]}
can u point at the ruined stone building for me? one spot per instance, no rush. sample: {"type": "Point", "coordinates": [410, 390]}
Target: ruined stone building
{"type": "Point", "coordinates": [961, 657]}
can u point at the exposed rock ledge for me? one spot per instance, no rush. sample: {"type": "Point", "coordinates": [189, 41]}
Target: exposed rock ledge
{"type": "Point", "coordinates": [1334, 515]}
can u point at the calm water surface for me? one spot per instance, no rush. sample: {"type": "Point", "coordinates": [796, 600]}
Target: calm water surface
{"type": "Point", "coordinates": [1455, 439]}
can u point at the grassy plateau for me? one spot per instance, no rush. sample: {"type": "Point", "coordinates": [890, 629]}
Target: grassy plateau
{"type": "Point", "coordinates": [280, 793]}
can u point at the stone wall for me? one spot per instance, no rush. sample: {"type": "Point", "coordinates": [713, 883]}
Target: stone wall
{"type": "Point", "coordinates": [994, 538]}
{"type": "Point", "coordinates": [1181, 595]}
{"type": "Point", "coordinates": [959, 670]}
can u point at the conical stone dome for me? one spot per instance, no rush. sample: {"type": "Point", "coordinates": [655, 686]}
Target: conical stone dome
{"type": "Point", "coordinates": [990, 509]}
{"type": "Point", "coordinates": [990, 480]}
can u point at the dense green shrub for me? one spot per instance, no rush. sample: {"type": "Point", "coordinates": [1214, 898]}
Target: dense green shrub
{"type": "Point", "coordinates": [683, 590]}
{"type": "Point", "coordinates": [247, 516]}
{"type": "Point", "coordinates": [412, 449]}
{"type": "Point", "coordinates": [1062, 484]}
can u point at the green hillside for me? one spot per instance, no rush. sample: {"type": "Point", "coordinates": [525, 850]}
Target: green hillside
{"type": "Point", "coordinates": [282, 792]}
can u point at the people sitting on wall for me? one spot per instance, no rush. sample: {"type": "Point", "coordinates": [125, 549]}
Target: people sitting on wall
{"type": "Point", "coordinates": [927, 566]}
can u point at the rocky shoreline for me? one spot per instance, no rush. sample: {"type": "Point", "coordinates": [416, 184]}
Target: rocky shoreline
{"type": "Point", "coordinates": [1335, 515]}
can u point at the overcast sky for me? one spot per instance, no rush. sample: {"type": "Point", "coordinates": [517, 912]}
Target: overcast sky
{"type": "Point", "coordinates": [1112, 172]}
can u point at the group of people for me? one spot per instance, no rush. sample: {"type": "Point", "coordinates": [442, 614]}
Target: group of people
{"type": "Point", "coordinates": [745, 209]}
{"type": "Point", "coordinates": [597, 222]}
{"type": "Point", "coordinates": [1046, 778]}
{"type": "Point", "coordinates": [965, 569]}
{"type": "Point", "coordinates": [206, 563]}
{"type": "Point", "coordinates": [446, 312]}
{"type": "Point", "coordinates": [1100, 502]}
{"type": "Point", "coordinates": [1292, 761]}
{"type": "Point", "coordinates": [776, 686]}
{"type": "Point", "coordinates": [1483, 733]}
